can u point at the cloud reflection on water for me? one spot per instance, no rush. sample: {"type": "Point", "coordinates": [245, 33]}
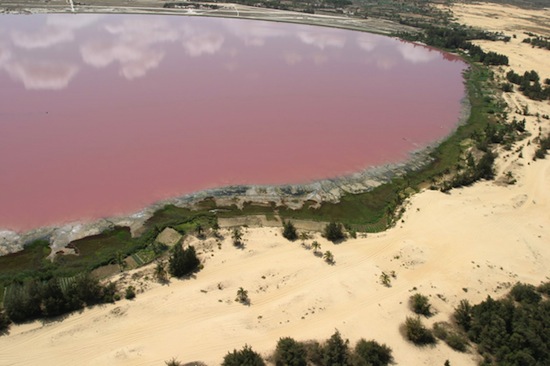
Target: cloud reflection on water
{"type": "Point", "coordinates": [133, 46]}
{"type": "Point", "coordinates": [137, 45]}
{"type": "Point", "coordinates": [42, 75]}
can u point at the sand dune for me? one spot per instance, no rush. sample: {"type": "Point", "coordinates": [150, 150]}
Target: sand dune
{"type": "Point", "coordinates": [467, 244]}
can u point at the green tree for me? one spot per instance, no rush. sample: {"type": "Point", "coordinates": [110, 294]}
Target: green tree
{"type": "Point", "coordinates": [334, 232]}
{"type": "Point", "coordinates": [119, 259]}
{"type": "Point", "coordinates": [244, 357]}
{"type": "Point", "coordinates": [522, 292]}
{"type": "Point", "coordinates": [289, 352]}
{"type": "Point", "coordinates": [289, 231]}
{"type": "Point", "coordinates": [160, 271]}
{"type": "Point", "coordinates": [53, 300]}
{"type": "Point", "coordinates": [463, 314]}
{"type": "Point", "coordinates": [316, 246]}
{"type": "Point", "coordinates": [4, 321]}
{"type": "Point", "coordinates": [237, 236]}
{"type": "Point", "coordinates": [420, 304]}
{"type": "Point", "coordinates": [328, 257]}
{"type": "Point", "coordinates": [130, 293]}
{"type": "Point", "coordinates": [242, 296]}
{"type": "Point", "coordinates": [183, 262]}
{"type": "Point", "coordinates": [199, 230]}
{"type": "Point", "coordinates": [373, 353]}
{"type": "Point", "coordinates": [336, 351]}
{"type": "Point", "coordinates": [417, 333]}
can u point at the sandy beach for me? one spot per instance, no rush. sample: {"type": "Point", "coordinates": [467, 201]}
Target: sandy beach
{"type": "Point", "coordinates": [467, 244]}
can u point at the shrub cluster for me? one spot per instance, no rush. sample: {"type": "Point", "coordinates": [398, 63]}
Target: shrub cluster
{"type": "Point", "coordinates": [512, 331]}
{"type": "Point", "coordinates": [34, 298]}
{"type": "Point", "coordinates": [289, 231]}
{"type": "Point", "coordinates": [183, 261]}
{"type": "Point", "coordinates": [529, 84]}
{"type": "Point", "coordinates": [420, 304]}
{"type": "Point", "coordinates": [335, 351]}
{"type": "Point", "coordinates": [334, 232]}
{"type": "Point", "coordinates": [417, 333]}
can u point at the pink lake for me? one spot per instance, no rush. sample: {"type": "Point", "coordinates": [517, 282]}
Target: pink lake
{"type": "Point", "coordinates": [105, 114]}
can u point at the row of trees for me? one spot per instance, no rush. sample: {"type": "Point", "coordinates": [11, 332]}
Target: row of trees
{"type": "Point", "coordinates": [540, 42]}
{"type": "Point", "coordinates": [511, 331]}
{"type": "Point", "coordinates": [335, 351]}
{"type": "Point", "coordinates": [529, 84]}
{"type": "Point", "coordinates": [333, 231]}
{"type": "Point", "coordinates": [35, 298]}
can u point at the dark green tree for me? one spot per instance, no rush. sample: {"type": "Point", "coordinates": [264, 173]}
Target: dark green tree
{"type": "Point", "coordinates": [290, 352]}
{"type": "Point", "coordinates": [183, 262]}
{"type": "Point", "coordinates": [53, 300]}
{"type": "Point", "coordinates": [522, 292]}
{"type": "Point", "coordinates": [463, 314]}
{"type": "Point", "coordinates": [417, 333]}
{"type": "Point", "coordinates": [289, 231]}
{"type": "Point", "coordinates": [4, 322]}
{"type": "Point", "coordinates": [373, 353]}
{"type": "Point", "coordinates": [244, 357]}
{"type": "Point", "coordinates": [237, 236]}
{"type": "Point", "coordinates": [420, 304]}
{"type": "Point", "coordinates": [336, 351]}
{"type": "Point", "coordinates": [334, 232]}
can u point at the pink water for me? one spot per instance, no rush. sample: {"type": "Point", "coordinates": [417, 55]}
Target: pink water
{"type": "Point", "coordinates": [103, 115]}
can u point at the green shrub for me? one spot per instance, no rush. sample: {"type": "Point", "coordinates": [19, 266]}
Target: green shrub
{"type": "Point", "coordinates": [525, 293]}
{"type": "Point", "coordinates": [420, 304]}
{"type": "Point", "coordinates": [4, 322]}
{"type": "Point", "coordinates": [183, 261]}
{"type": "Point", "coordinates": [334, 232]}
{"type": "Point", "coordinates": [373, 353]}
{"type": "Point", "coordinates": [336, 351]}
{"type": "Point", "coordinates": [244, 357]}
{"type": "Point", "coordinates": [289, 231]}
{"type": "Point", "coordinates": [130, 293]}
{"type": "Point", "coordinates": [289, 352]}
{"type": "Point", "coordinates": [417, 333]}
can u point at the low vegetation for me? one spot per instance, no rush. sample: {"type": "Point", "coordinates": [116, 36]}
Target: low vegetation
{"type": "Point", "coordinates": [417, 333]}
{"type": "Point", "coordinates": [33, 298]}
{"type": "Point", "coordinates": [511, 331]}
{"type": "Point", "coordinates": [289, 231]}
{"type": "Point", "coordinates": [333, 351]}
{"type": "Point", "coordinates": [334, 232]}
{"type": "Point", "coordinates": [183, 261]}
{"type": "Point", "coordinates": [244, 357]}
{"type": "Point", "coordinates": [420, 305]}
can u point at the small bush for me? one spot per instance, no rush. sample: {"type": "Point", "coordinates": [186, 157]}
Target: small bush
{"type": "Point", "coordinates": [417, 333]}
{"type": "Point", "coordinates": [420, 304]}
{"type": "Point", "coordinates": [373, 353]}
{"type": "Point", "coordinates": [525, 293]}
{"type": "Point", "coordinates": [463, 315]}
{"type": "Point", "coordinates": [173, 362]}
{"type": "Point", "coordinates": [130, 293]}
{"type": "Point", "coordinates": [457, 342]}
{"type": "Point", "coordinates": [244, 357]}
{"type": "Point", "coordinates": [544, 288]}
{"type": "Point", "coordinates": [289, 352]}
{"type": "Point", "coordinates": [289, 231]}
{"type": "Point", "coordinates": [336, 350]}
{"type": "Point", "coordinates": [334, 232]}
{"type": "Point", "coordinates": [4, 322]}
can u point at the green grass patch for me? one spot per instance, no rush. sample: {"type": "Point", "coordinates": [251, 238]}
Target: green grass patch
{"type": "Point", "coordinates": [30, 259]}
{"type": "Point", "coordinates": [98, 250]}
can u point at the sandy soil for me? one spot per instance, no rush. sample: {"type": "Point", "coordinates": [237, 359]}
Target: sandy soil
{"type": "Point", "coordinates": [467, 244]}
